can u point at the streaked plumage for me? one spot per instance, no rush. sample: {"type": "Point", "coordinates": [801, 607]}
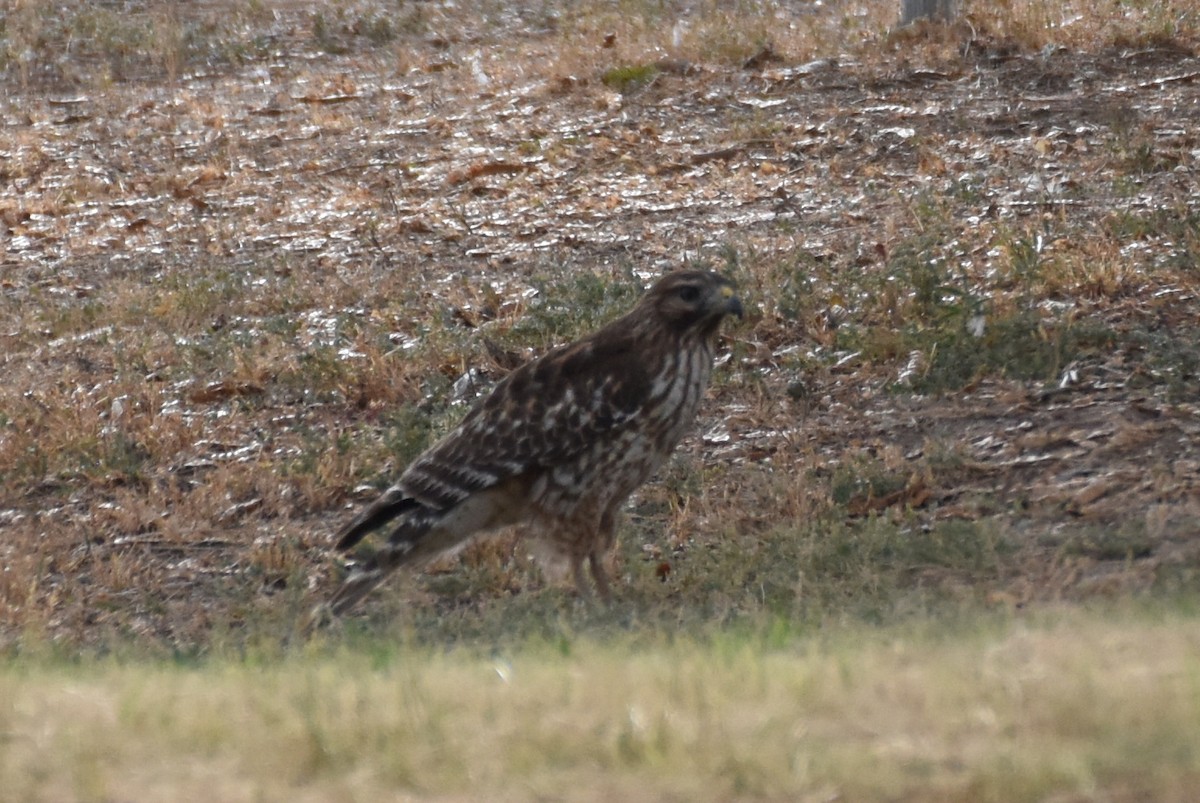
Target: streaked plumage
{"type": "Point", "coordinates": [559, 444]}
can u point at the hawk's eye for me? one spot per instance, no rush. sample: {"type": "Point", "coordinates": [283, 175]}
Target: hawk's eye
{"type": "Point", "coordinates": [689, 293]}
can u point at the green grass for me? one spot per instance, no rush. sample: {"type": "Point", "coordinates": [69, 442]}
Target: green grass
{"type": "Point", "coordinates": [1064, 704]}
{"type": "Point", "coordinates": [629, 78]}
{"type": "Point", "coordinates": [571, 306]}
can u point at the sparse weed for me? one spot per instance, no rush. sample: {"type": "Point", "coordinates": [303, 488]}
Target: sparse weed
{"type": "Point", "coordinates": [1172, 360]}
{"type": "Point", "coordinates": [1127, 543]}
{"type": "Point", "coordinates": [573, 305]}
{"type": "Point", "coordinates": [862, 481]}
{"type": "Point", "coordinates": [630, 78]}
{"type": "Point", "coordinates": [408, 430]}
{"type": "Point", "coordinates": [90, 44]}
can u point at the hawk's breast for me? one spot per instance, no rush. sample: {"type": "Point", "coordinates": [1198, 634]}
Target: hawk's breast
{"type": "Point", "coordinates": [609, 469]}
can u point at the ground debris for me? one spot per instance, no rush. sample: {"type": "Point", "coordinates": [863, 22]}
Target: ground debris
{"type": "Point", "coordinates": [235, 299]}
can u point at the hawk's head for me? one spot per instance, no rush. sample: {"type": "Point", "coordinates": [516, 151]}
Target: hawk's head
{"type": "Point", "coordinates": [693, 300]}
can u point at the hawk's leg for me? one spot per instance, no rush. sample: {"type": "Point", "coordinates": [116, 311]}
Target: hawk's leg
{"type": "Point", "coordinates": [581, 586]}
{"type": "Point", "coordinates": [602, 546]}
{"type": "Point", "coordinates": [600, 575]}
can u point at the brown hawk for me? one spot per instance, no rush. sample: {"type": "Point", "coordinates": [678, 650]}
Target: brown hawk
{"type": "Point", "coordinates": [559, 444]}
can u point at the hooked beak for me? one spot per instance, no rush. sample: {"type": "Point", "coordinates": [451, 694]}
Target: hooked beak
{"type": "Point", "coordinates": [733, 304]}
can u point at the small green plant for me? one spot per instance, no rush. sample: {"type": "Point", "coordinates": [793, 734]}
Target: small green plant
{"type": "Point", "coordinates": [862, 481]}
{"type": "Point", "coordinates": [1172, 359]}
{"type": "Point", "coordinates": [377, 28]}
{"type": "Point", "coordinates": [324, 35]}
{"type": "Point", "coordinates": [1177, 227]}
{"type": "Point", "coordinates": [1125, 543]}
{"type": "Point", "coordinates": [407, 432]}
{"type": "Point", "coordinates": [574, 305]}
{"type": "Point", "coordinates": [630, 78]}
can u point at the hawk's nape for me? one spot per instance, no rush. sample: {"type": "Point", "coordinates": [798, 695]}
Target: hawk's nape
{"type": "Point", "coordinates": [559, 444]}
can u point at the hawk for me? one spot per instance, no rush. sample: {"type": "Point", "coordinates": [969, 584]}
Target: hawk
{"type": "Point", "coordinates": [559, 444]}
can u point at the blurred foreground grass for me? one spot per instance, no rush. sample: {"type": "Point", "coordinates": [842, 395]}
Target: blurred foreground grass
{"type": "Point", "coordinates": [1059, 704]}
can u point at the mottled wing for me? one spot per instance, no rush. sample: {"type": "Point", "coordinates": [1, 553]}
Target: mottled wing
{"type": "Point", "coordinates": [540, 416]}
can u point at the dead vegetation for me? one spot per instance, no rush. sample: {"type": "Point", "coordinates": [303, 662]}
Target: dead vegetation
{"type": "Point", "coordinates": [256, 257]}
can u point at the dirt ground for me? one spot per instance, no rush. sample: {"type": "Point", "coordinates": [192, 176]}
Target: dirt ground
{"type": "Point", "coordinates": [461, 183]}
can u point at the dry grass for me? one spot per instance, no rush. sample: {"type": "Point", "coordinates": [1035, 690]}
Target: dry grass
{"type": "Point", "coordinates": [101, 44]}
{"type": "Point", "coordinates": [253, 250]}
{"type": "Point", "coordinates": [1066, 706]}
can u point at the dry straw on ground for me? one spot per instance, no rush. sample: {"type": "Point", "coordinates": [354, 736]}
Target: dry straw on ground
{"type": "Point", "coordinates": [257, 255]}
